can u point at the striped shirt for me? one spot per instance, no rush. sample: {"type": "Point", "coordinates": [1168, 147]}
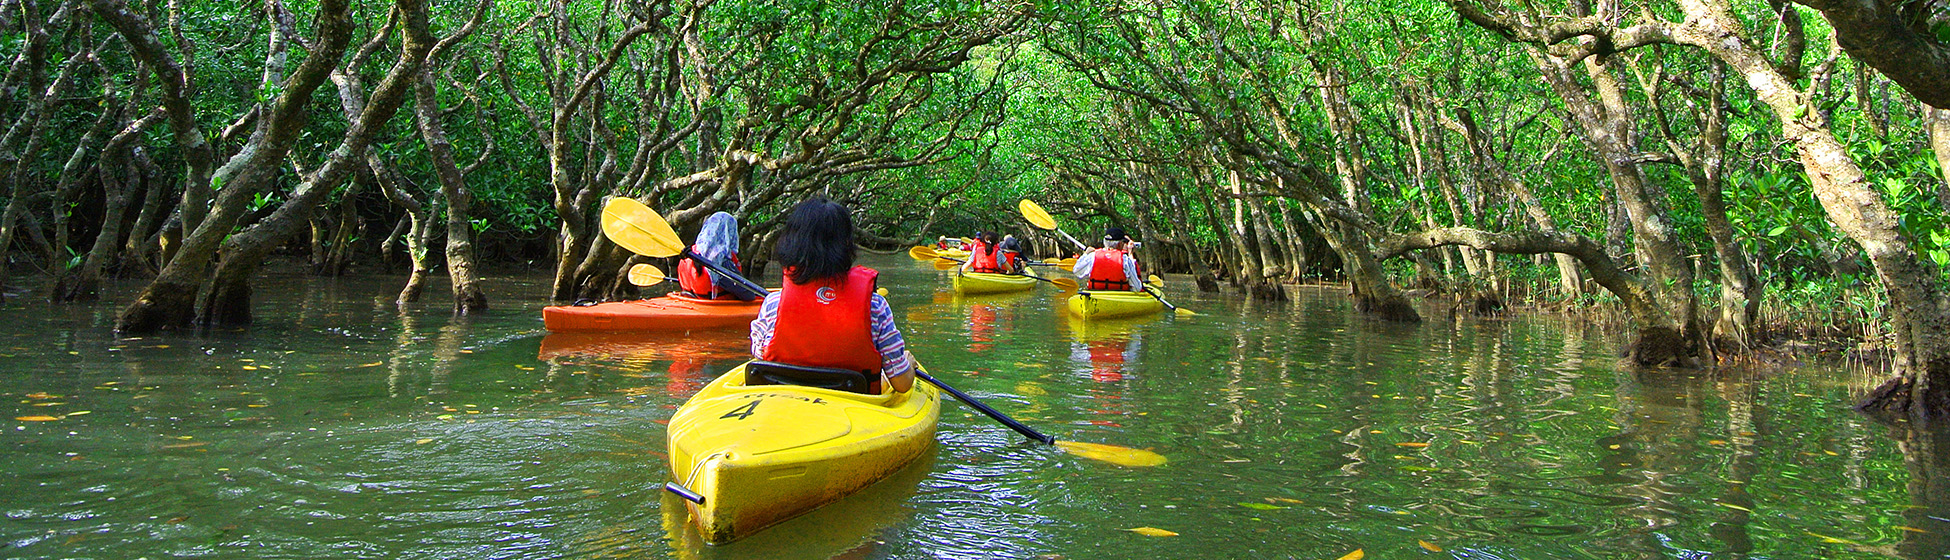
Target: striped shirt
{"type": "Point", "coordinates": [880, 319]}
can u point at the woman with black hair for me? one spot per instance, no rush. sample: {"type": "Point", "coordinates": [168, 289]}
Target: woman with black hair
{"type": "Point", "coordinates": [827, 314]}
{"type": "Point", "coordinates": [983, 256]}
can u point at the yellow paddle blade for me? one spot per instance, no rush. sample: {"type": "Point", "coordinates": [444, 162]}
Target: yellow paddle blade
{"type": "Point", "coordinates": [881, 291]}
{"type": "Point", "coordinates": [1035, 214]}
{"type": "Point", "coordinates": [945, 264]}
{"type": "Point", "coordinates": [638, 228]}
{"type": "Point", "coordinates": [967, 242]}
{"type": "Point", "coordinates": [646, 275]}
{"type": "Point", "coordinates": [922, 253]}
{"type": "Point", "coordinates": [1155, 281]}
{"type": "Point", "coordinates": [1068, 262]}
{"type": "Point", "coordinates": [1112, 454]}
{"type": "Point", "coordinates": [1065, 284]}
{"type": "Point", "coordinates": [1183, 312]}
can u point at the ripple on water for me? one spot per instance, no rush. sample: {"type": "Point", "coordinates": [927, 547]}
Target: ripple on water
{"type": "Point", "coordinates": [1284, 426]}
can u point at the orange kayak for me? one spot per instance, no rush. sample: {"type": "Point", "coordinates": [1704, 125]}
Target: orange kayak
{"type": "Point", "coordinates": [672, 312]}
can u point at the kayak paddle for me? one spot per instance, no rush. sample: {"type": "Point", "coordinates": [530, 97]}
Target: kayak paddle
{"type": "Point", "coordinates": [1103, 452]}
{"type": "Point", "coordinates": [1042, 220]}
{"type": "Point", "coordinates": [921, 252]}
{"type": "Point", "coordinates": [645, 232]}
{"type": "Point", "coordinates": [646, 275]}
{"type": "Point", "coordinates": [1154, 281]}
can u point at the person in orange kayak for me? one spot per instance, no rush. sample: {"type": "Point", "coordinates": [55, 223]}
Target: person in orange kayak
{"type": "Point", "coordinates": [1111, 268]}
{"type": "Point", "coordinates": [717, 242]}
{"type": "Point", "coordinates": [985, 255]}
{"type": "Point", "coordinates": [828, 315]}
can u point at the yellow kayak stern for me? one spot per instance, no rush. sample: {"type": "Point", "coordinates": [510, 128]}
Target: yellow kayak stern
{"type": "Point", "coordinates": [759, 455]}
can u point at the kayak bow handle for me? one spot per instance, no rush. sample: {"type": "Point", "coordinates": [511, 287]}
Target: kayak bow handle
{"type": "Point", "coordinates": [684, 493]}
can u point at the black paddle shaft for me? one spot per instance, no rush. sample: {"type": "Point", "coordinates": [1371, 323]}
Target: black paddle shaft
{"type": "Point", "coordinates": [757, 290]}
{"type": "Point", "coordinates": [992, 413]}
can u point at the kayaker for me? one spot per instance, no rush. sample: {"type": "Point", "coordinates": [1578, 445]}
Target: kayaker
{"type": "Point", "coordinates": [718, 243]}
{"type": "Point", "coordinates": [983, 256]}
{"type": "Point", "coordinates": [828, 315]}
{"type": "Point", "coordinates": [1010, 255]}
{"type": "Point", "coordinates": [1111, 268]}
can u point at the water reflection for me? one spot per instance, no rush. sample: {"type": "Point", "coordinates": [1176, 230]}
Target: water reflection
{"type": "Point", "coordinates": [341, 426]}
{"type": "Point", "coordinates": [690, 356]}
{"type": "Point", "coordinates": [1103, 348]}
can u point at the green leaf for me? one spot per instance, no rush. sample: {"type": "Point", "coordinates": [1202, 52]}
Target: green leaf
{"type": "Point", "coordinates": [1777, 231]}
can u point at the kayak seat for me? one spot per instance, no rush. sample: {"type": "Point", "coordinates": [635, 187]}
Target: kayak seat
{"type": "Point", "coordinates": [760, 372]}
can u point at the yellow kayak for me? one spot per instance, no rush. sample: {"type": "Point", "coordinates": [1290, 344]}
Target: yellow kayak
{"type": "Point", "coordinates": [758, 454]}
{"type": "Point", "coordinates": [1105, 305]}
{"type": "Point", "coordinates": [957, 254]}
{"type": "Point", "coordinates": [989, 283]}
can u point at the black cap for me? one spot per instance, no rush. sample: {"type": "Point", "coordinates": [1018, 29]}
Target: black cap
{"type": "Point", "coordinates": [1116, 234]}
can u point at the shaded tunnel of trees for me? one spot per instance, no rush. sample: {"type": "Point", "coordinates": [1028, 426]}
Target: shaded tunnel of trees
{"type": "Point", "coordinates": [1720, 173]}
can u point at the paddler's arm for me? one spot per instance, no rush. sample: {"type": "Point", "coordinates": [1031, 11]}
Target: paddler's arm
{"type": "Point", "coordinates": [897, 365]}
{"type": "Point", "coordinates": [904, 380]}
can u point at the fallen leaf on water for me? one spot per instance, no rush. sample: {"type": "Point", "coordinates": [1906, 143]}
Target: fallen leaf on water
{"type": "Point", "coordinates": [1831, 540]}
{"type": "Point", "coordinates": [50, 403]}
{"type": "Point", "coordinates": [178, 519]}
{"type": "Point", "coordinates": [1260, 506]}
{"type": "Point", "coordinates": [1912, 529]}
{"type": "Point", "coordinates": [374, 364]}
{"type": "Point", "coordinates": [1358, 554]}
{"type": "Point", "coordinates": [1716, 442]}
{"type": "Point", "coordinates": [37, 418]}
{"type": "Point", "coordinates": [81, 412]}
{"type": "Point", "coordinates": [423, 441]}
{"type": "Point", "coordinates": [184, 445]}
{"type": "Point", "coordinates": [1284, 501]}
{"type": "Point", "coordinates": [40, 396]}
{"type": "Point", "coordinates": [1731, 506]}
{"type": "Point", "coordinates": [445, 417]}
{"type": "Point", "coordinates": [1152, 532]}
{"type": "Point", "coordinates": [1429, 546]}
{"type": "Point", "coordinates": [1414, 444]}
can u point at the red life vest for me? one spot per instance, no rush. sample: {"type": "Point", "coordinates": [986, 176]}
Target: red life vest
{"type": "Point", "coordinates": [697, 279]}
{"type": "Point", "coordinates": [826, 323]}
{"type": "Point", "coordinates": [981, 258]}
{"type": "Point", "coordinates": [1107, 273]}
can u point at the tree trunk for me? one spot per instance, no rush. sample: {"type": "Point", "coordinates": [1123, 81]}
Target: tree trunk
{"type": "Point", "coordinates": [1671, 336]}
{"type": "Point", "coordinates": [84, 282]}
{"type": "Point", "coordinates": [1939, 123]}
{"type": "Point", "coordinates": [468, 297]}
{"type": "Point", "coordinates": [228, 301]}
{"type": "Point", "coordinates": [170, 300]}
{"type": "Point", "coordinates": [1918, 311]}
